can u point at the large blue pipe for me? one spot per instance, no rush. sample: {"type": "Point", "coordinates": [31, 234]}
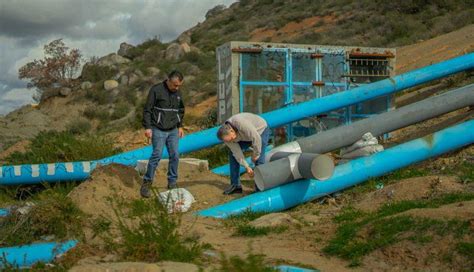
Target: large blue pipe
{"type": "Point", "coordinates": [350, 174]}
{"type": "Point", "coordinates": [27, 255]}
{"type": "Point", "coordinates": [10, 175]}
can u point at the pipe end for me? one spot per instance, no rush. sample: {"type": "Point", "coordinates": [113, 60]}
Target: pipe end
{"type": "Point", "coordinates": [322, 167]}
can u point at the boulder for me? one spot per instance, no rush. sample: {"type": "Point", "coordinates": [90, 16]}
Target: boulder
{"type": "Point", "coordinates": [174, 52]}
{"type": "Point", "coordinates": [86, 85]}
{"type": "Point", "coordinates": [133, 78]}
{"type": "Point", "coordinates": [124, 50]}
{"type": "Point", "coordinates": [215, 11]}
{"type": "Point", "coordinates": [273, 220]}
{"type": "Point", "coordinates": [112, 60]}
{"type": "Point", "coordinates": [186, 48]}
{"type": "Point", "coordinates": [153, 71]}
{"type": "Point", "coordinates": [185, 37]}
{"type": "Point", "coordinates": [193, 70]}
{"type": "Point", "coordinates": [124, 80]}
{"type": "Point", "coordinates": [110, 85]}
{"type": "Point", "coordinates": [189, 78]}
{"type": "Point", "coordinates": [139, 73]}
{"type": "Point", "coordinates": [65, 91]}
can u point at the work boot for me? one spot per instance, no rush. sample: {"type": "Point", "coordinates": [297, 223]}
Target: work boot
{"type": "Point", "coordinates": [233, 189]}
{"type": "Point", "coordinates": [172, 186]}
{"type": "Point", "coordinates": [145, 189]}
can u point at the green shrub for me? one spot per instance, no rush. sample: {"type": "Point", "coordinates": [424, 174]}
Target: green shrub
{"type": "Point", "coordinates": [96, 73]}
{"type": "Point", "coordinates": [386, 227]}
{"type": "Point", "coordinates": [102, 97]}
{"type": "Point", "coordinates": [252, 262]}
{"type": "Point", "coordinates": [153, 236]}
{"type": "Point", "coordinates": [79, 126]}
{"type": "Point", "coordinates": [120, 110]}
{"type": "Point", "coordinates": [53, 214]}
{"type": "Point", "coordinates": [99, 113]}
{"type": "Point", "coordinates": [55, 146]}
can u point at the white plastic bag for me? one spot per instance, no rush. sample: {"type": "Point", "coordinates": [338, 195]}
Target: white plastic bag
{"type": "Point", "coordinates": [366, 140]}
{"type": "Point", "coordinates": [176, 200]}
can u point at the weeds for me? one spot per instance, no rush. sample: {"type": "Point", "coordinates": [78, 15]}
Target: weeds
{"type": "Point", "coordinates": [252, 262]}
{"type": "Point", "coordinates": [52, 215]}
{"type": "Point", "coordinates": [146, 232]}
{"type": "Point", "coordinates": [63, 147]}
{"type": "Point", "coordinates": [384, 227]}
{"type": "Point", "coordinates": [241, 223]}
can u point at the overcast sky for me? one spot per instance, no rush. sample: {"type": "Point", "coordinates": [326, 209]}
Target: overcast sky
{"type": "Point", "coordinates": [96, 27]}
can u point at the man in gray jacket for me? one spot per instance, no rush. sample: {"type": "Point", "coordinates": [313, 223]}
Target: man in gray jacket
{"type": "Point", "coordinates": [240, 132]}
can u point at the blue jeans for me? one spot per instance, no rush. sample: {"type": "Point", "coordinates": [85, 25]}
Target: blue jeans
{"type": "Point", "coordinates": [235, 166]}
{"type": "Point", "coordinates": [159, 139]}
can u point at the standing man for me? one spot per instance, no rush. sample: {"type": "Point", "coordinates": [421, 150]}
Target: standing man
{"type": "Point", "coordinates": [240, 132]}
{"type": "Point", "coordinates": [163, 119]}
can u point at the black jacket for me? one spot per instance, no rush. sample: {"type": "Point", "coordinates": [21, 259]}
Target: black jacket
{"type": "Point", "coordinates": [164, 109]}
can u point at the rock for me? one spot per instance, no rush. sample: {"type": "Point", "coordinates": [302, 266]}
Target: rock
{"type": "Point", "coordinates": [193, 70]}
{"type": "Point", "coordinates": [138, 72]}
{"type": "Point", "coordinates": [136, 267]}
{"type": "Point", "coordinates": [273, 220]}
{"type": "Point", "coordinates": [215, 11]}
{"type": "Point", "coordinates": [195, 49]}
{"type": "Point", "coordinates": [86, 85]}
{"type": "Point", "coordinates": [115, 92]}
{"type": "Point", "coordinates": [125, 49]}
{"type": "Point", "coordinates": [124, 80]}
{"type": "Point", "coordinates": [133, 78]}
{"type": "Point", "coordinates": [186, 48]}
{"type": "Point", "coordinates": [153, 71]}
{"type": "Point", "coordinates": [65, 91]}
{"type": "Point", "coordinates": [110, 85]}
{"type": "Point", "coordinates": [112, 60]}
{"type": "Point", "coordinates": [185, 37]}
{"type": "Point", "coordinates": [50, 92]}
{"type": "Point", "coordinates": [189, 78]}
{"type": "Point", "coordinates": [174, 52]}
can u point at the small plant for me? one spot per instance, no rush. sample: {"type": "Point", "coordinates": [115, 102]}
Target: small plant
{"type": "Point", "coordinates": [146, 232]}
{"type": "Point", "coordinates": [95, 73]}
{"type": "Point", "coordinates": [253, 262]}
{"type": "Point", "coordinates": [53, 214]}
{"type": "Point", "coordinates": [63, 146]}
{"type": "Point", "coordinates": [120, 110]}
{"type": "Point", "coordinates": [79, 126]}
{"type": "Point", "coordinates": [251, 231]}
{"type": "Point", "coordinates": [384, 227]}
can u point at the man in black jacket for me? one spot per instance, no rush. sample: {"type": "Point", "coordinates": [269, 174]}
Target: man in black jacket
{"type": "Point", "coordinates": [163, 119]}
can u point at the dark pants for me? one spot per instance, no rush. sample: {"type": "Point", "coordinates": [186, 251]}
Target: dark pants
{"type": "Point", "coordinates": [159, 139]}
{"type": "Point", "coordinates": [235, 166]}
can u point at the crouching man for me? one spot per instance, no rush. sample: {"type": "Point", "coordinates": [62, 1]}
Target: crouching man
{"type": "Point", "coordinates": [240, 132]}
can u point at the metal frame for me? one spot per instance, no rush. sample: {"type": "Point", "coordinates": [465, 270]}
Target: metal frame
{"type": "Point", "coordinates": [239, 49]}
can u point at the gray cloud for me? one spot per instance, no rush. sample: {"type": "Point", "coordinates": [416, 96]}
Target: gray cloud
{"type": "Point", "coordinates": [96, 27]}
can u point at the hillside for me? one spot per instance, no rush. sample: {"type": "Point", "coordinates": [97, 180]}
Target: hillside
{"type": "Point", "coordinates": [135, 68]}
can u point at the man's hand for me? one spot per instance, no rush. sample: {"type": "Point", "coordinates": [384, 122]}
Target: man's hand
{"type": "Point", "coordinates": [180, 132]}
{"type": "Point", "coordinates": [148, 133]}
{"type": "Point", "coordinates": [255, 158]}
{"type": "Point", "coordinates": [250, 172]}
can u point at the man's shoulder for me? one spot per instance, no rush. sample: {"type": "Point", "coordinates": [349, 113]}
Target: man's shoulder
{"type": "Point", "coordinates": [158, 87]}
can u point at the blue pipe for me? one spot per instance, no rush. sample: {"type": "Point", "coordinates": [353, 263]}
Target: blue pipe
{"type": "Point", "coordinates": [286, 115]}
{"type": "Point", "coordinates": [4, 212]}
{"type": "Point", "coordinates": [350, 174]}
{"type": "Point", "coordinates": [288, 268]}
{"type": "Point", "coordinates": [27, 255]}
